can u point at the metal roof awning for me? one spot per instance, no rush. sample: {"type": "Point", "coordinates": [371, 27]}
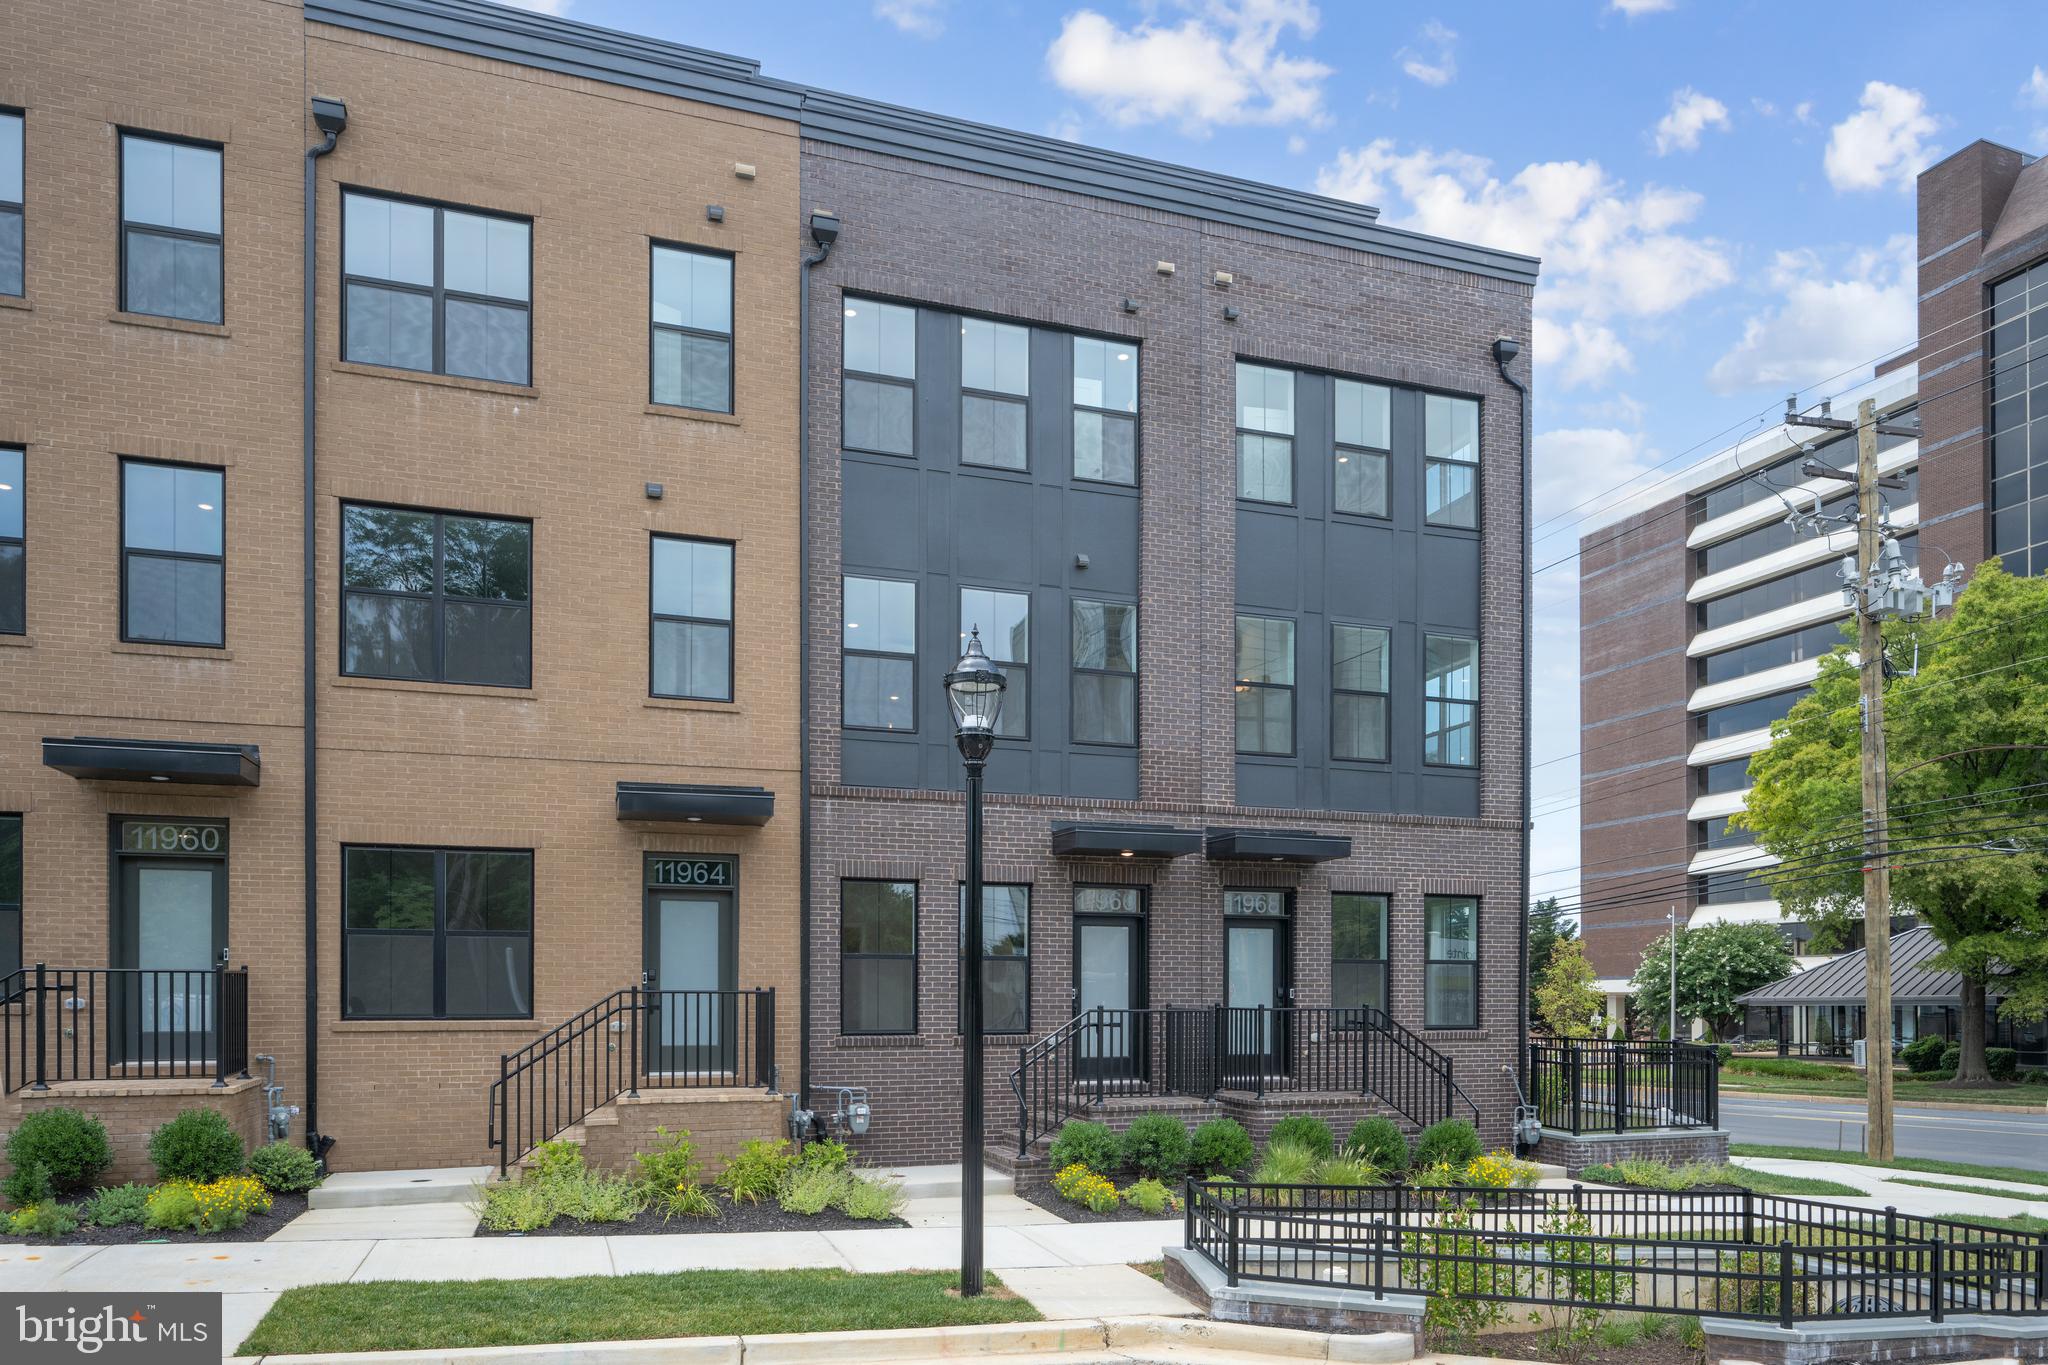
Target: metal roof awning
{"type": "Point", "coordinates": [1123, 841]}
{"type": "Point", "coordinates": [1839, 981]}
{"type": "Point", "coordinates": [675, 802]}
{"type": "Point", "coordinates": [1274, 846]}
{"type": "Point", "coordinates": [155, 760]}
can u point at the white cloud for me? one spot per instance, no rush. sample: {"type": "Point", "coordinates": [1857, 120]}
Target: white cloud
{"type": "Point", "coordinates": [1635, 9]}
{"type": "Point", "coordinates": [1222, 64]}
{"type": "Point", "coordinates": [1824, 321]}
{"type": "Point", "coordinates": [923, 18]}
{"type": "Point", "coordinates": [1803, 112]}
{"type": "Point", "coordinates": [2035, 90]}
{"type": "Point", "coordinates": [1691, 114]}
{"type": "Point", "coordinates": [1296, 144]}
{"type": "Point", "coordinates": [1066, 127]}
{"type": "Point", "coordinates": [1884, 143]}
{"type": "Point", "coordinates": [539, 6]}
{"type": "Point", "coordinates": [1576, 352]}
{"type": "Point", "coordinates": [1573, 462]}
{"type": "Point", "coordinates": [1437, 63]}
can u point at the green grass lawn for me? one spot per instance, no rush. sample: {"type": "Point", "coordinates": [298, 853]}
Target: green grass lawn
{"type": "Point", "coordinates": [1789, 1076]}
{"type": "Point", "coordinates": [1924, 1165]}
{"type": "Point", "coordinates": [1657, 1176]}
{"type": "Point", "coordinates": [394, 1315]}
{"type": "Point", "coordinates": [1973, 1189]}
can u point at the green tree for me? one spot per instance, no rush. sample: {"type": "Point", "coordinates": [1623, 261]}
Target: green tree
{"type": "Point", "coordinates": [1717, 964]}
{"type": "Point", "coordinates": [1548, 927]}
{"type": "Point", "coordinates": [1565, 1001]}
{"type": "Point", "coordinates": [1967, 744]}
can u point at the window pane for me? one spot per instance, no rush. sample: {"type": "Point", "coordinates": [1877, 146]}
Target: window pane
{"type": "Point", "coordinates": [1452, 996]}
{"type": "Point", "coordinates": [173, 278]}
{"type": "Point", "coordinates": [10, 252]}
{"type": "Point", "coordinates": [390, 976]}
{"type": "Point", "coordinates": [176, 601]}
{"type": "Point", "coordinates": [1105, 635]}
{"type": "Point", "coordinates": [1358, 985]}
{"type": "Point", "coordinates": [387, 637]}
{"type": "Point", "coordinates": [388, 888]}
{"type": "Point", "coordinates": [1265, 720]}
{"type": "Point", "coordinates": [876, 692]}
{"type": "Point", "coordinates": [1014, 721]}
{"type": "Point", "coordinates": [170, 507]}
{"type": "Point", "coordinates": [1450, 494]}
{"type": "Point", "coordinates": [488, 976]}
{"type": "Point", "coordinates": [1105, 374]}
{"type": "Point", "coordinates": [10, 158]}
{"type": "Point", "coordinates": [991, 432]}
{"type": "Point", "coordinates": [490, 891]}
{"type": "Point", "coordinates": [880, 338]}
{"type": "Point", "coordinates": [486, 558]}
{"type": "Point", "coordinates": [1452, 926]}
{"type": "Point", "coordinates": [1451, 668]}
{"type": "Point", "coordinates": [994, 356]}
{"type": "Point", "coordinates": [1005, 921]}
{"type": "Point", "coordinates": [387, 547]}
{"type": "Point", "coordinates": [878, 995]}
{"type": "Point", "coordinates": [1450, 428]}
{"type": "Point", "coordinates": [487, 644]}
{"type": "Point", "coordinates": [692, 660]}
{"type": "Point", "coordinates": [388, 240]}
{"type": "Point", "coordinates": [1362, 483]}
{"type": "Point", "coordinates": [1447, 732]}
{"type": "Point", "coordinates": [877, 417]}
{"type": "Point", "coordinates": [1265, 468]}
{"type": "Point", "coordinates": [1005, 985]}
{"type": "Point", "coordinates": [692, 371]}
{"type": "Point", "coordinates": [1265, 650]}
{"type": "Point", "coordinates": [481, 255]}
{"type": "Point", "coordinates": [1105, 709]}
{"type": "Point", "coordinates": [170, 185]}
{"type": "Point", "coordinates": [389, 327]}
{"type": "Point", "coordinates": [1265, 399]}
{"type": "Point", "coordinates": [13, 590]}
{"type": "Point", "coordinates": [878, 917]}
{"type": "Point", "coordinates": [1358, 658]}
{"type": "Point", "coordinates": [879, 614]}
{"type": "Point", "coordinates": [486, 342]}
{"type": "Point", "coordinates": [1358, 727]}
{"type": "Point", "coordinates": [1004, 619]}
{"type": "Point", "coordinates": [1362, 414]}
{"type": "Point", "coordinates": [692, 289]}
{"type": "Point", "coordinates": [13, 492]}
{"type": "Point", "coordinates": [692, 578]}
{"type": "Point", "coordinates": [1105, 447]}
{"type": "Point", "coordinates": [1358, 926]}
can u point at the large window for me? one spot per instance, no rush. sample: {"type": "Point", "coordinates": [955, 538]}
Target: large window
{"type": "Point", "coordinates": [1774, 652]}
{"type": "Point", "coordinates": [439, 289]}
{"type": "Point", "coordinates": [878, 653]}
{"type": "Point", "coordinates": [1729, 776]}
{"type": "Point", "coordinates": [877, 957]}
{"type": "Point", "coordinates": [689, 344]}
{"type": "Point", "coordinates": [1450, 466]}
{"type": "Point", "coordinates": [1265, 433]}
{"type": "Point", "coordinates": [1450, 987]}
{"type": "Point", "coordinates": [1755, 714]}
{"type": "Point", "coordinates": [1359, 682]}
{"type": "Point", "coordinates": [1004, 619]}
{"type": "Point", "coordinates": [433, 933]}
{"type": "Point", "coordinates": [10, 894]}
{"type": "Point", "coordinates": [2019, 420]}
{"type": "Point", "coordinates": [13, 541]}
{"type": "Point", "coordinates": [1006, 956]}
{"type": "Point", "coordinates": [1105, 701]}
{"type": "Point", "coordinates": [170, 228]}
{"type": "Point", "coordinates": [12, 252]}
{"type": "Point", "coordinates": [173, 564]}
{"type": "Point", "coordinates": [995, 380]}
{"type": "Point", "coordinates": [879, 379]}
{"type": "Point", "coordinates": [1105, 407]}
{"type": "Point", "coordinates": [436, 597]}
{"type": "Point", "coordinates": [1364, 438]}
{"type": "Point", "coordinates": [1358, 951]}
{"type": "Point", "coordinates": [691, 644]}
{"type": "Point", "coordinates": [1265, 685]}
{"type": "Point", "coordinates": [1450, 700]}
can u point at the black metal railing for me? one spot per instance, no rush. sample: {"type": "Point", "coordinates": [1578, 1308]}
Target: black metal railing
{"type": "Point", "coordinates": [1594, 1085]}
{"type": "Point", "coordinates": [1200, 1051]}
{"type": "Point", "coordinates": [1725, 1254]}
{"type": "Point", "coordinates": [61, 1024]}
{"type": "Point", "coordinates": [634, 1039]}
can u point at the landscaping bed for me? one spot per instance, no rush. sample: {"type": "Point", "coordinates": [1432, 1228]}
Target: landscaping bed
{"type": "Point", "coordinates": [283, 1208]}
{"type": "Point", "coordinates": [1049, 1199]}
{"type": "Point", "coordinates": [732, 1216]}
{"type": "Point", "coordinates": [1666, 1349]}
{"type": "Point", "coordinates": [1703, 1178]}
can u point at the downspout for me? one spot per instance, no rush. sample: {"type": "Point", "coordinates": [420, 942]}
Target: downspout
{"type": "Point", "coordinates": [824, 232]}
{"type": "Point", "coordinates": [1504, 351]}
{"type": "Point", "coordinates": [330, 116]}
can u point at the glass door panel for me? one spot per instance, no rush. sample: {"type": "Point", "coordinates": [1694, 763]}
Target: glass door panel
{"type": "Point", "coordinates": [170, 918]}
{"type": "Point", "coordinates": [1106, 975]}
{"type": "Point", "coordinates": [690, 1017]}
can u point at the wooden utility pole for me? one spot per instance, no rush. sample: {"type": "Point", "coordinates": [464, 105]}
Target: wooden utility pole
{"type": "Point", "coordinates": [1877, 875]}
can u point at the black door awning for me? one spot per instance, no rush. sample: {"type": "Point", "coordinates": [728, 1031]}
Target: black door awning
{"type": "Point", "coordinates": [1274, 846]}
{"type": "Point", "coordinates": [155, 760]}
{"type": "Point", "coordinates": [676, 802]}
{"type": "Point", "coordinates": [1123, 841]}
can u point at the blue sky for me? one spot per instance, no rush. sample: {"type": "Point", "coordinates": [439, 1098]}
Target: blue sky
{"type": "Point", "coordinates": [1720, 189]}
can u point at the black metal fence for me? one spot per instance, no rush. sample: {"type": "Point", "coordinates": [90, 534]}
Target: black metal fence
{"type": "Point", "coordinates": [1736, 1254]}
{"type": "Point", "coordinates": [1594, 1085]}
{"type": "Point", "coordinates": [632, 1040]}
{"type": "Point", "coordinates": [62, 1024]}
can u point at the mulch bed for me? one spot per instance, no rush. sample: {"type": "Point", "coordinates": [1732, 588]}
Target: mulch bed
{"type": "Point", "coordinates": [1541, 1346]}
{"type": "Point", "coordinates": [283, 1208]}
{"type": "Point", "coordinates": [732, 1217]}
{"type": "Point", "coordinates": [1047, 1198]}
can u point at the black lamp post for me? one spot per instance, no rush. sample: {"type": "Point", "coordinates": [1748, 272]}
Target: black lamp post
{"type": "Point", "coordinates": [975, 689]}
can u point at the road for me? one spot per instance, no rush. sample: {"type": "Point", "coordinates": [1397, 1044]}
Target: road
{"type": "Point", "coordinates": [2015, 1138]}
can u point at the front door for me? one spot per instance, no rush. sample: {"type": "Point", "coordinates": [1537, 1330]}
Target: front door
{"type": "Point", "coordinates": [690, 972]}
{"type": "Point", "coordinates": [169, 932]}
{"type": "Point", "coordinates": [1109, 976]}
{"type": "Point", "coordinates": [1257, 983]}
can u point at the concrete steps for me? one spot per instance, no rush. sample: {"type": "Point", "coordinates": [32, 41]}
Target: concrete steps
{"type": "Point", "coordinates": [394, 1189]}
{"type": "Point", "coordinates": [943, 1181]}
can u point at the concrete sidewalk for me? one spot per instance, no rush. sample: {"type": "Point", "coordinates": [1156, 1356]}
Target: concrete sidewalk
{"type": "Point", "coordinates": [1882, 1187]}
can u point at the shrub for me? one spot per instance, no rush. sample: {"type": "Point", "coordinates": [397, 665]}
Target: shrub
{"type": "Point", "coordinates": [1087, 1143]}
{"type": "Point", "coordinates": [117, 1206]}
{"type": "Point", "coordinates": [826, 1155]}
{"type": "Point", "coordinates": [755, 1171]}
{"type": "Point", "coordinates": [517, 1206]}
{"type": "Point", "coordinates": [48, 1219]}
{"type": "Point", "coordinates": [198, 1146]}
{"type": "Point", "coordinates": [2034, 1076]}
{"type": "Point", "coordinates": [812, 1189]}
{"type": "Point", "coordinates": [2002, 1062]}
{"type": "Point", "coordinates": [1379, 1141]}
{"type": "Point", "coordinates": [594, 1197]}
{"type": "Point", "coordinates": [29, 1185]}
{"type": "Point", "coordinates": [172, 1207]}
{"type": "Point", "coordinates": [71, 1147]}
{"type": "Point", "coordinates": [1304, 1130]}
{"type": "Point", "coordinates": [1345, 1169]}
{"type": "Point", "coordinates": [1448, 1142]}
{"type": "Point", "coordinates": [1078, 1185]}
{"type": "Point", "coordinates": [1150, 1196]}
{"type": "Point", "coordinates": [671, 1177]}
{"type": "Point", "coordinates": [1285, 1163]}
{"type": "Point", "coordinates": [1157, 1145]}
{"type": "Point", "coordinates": [870, 1198]}
{"type": "Point", "coordinates": [1951, 1058]}
{"type": "Point", "coordinates": [1220, 1145]}
{"type": "Point", "coordinates": [552, 1160]}
{"type": "Point", "coordinates": [1724, 1053]}
{"type": "Point", "coordinates": [284, 1168]}
{"type": "Point", "coordinates": [1923, 1054]}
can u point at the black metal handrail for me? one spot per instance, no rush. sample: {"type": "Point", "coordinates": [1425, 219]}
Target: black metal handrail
{"type": "Point", "coordinates": [1200, 1051]}
{"type": "Point", "coordinates": [1726, 1254]}
{"type": "Point", "coordinates": [633, 1039]}
{"type": "Point", "coordinates": [1598, 1085]}
{"type": "Point", "coordinates": [60, 1024]}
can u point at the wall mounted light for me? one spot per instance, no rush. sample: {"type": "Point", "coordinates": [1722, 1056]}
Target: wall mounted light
{"type": "Point", "coordinates": [1223, 279]}
{"type": "Point", "coordinates": [1231, 314]}
{"type": "Point", "coordinates": [715, 212]}
{"type": "Point", "coordinates": [1130, 305]}
{"type": "Point", "coordinates": [743, 169]}
{"type": "Point", "coordinates": [654, 491]}
{"type": "Point", "coordinates": [1163, 267]}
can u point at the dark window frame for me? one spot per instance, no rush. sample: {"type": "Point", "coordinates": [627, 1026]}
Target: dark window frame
{"type": "Point", "coordinates": [21, 542]}
{"type": "Point", "coordinates": [1293, 439]}
{"type": "Point", "coordinates": [1384, 961]}
{"type": "Point", "coordinates": [960, 957]}
{"type": "Point", "coordinates": [1135, 417]}
{"type": "Point", "coordinates": [1340, 450]}
{"type": "Point", "coordinates": [916, 594]}
{"type": "Point", "coordinates": [1472, 702]}
{"type": "Point", "coordinates": [438, 291]}
{"type": "Point", "coordinates": [911, 957]}
{"type": "Point", "coordinates": [1386, 697]}
{"type": "Point", "coordinates": [1017, 400]}
{"type": "Point", "coordinates": [1240, 686]}
{"type": "Point", "coordinates": [122, 133]}
{"type": "Point", "coordinates": [1006, 666]}
{"type": "Point", "coordinates": [15, 906]}
{"type": "Point", "coordinates": [127, 553]}
{"type": "Point", "coordinates": [437, 599]}
{"type": "Point", "coordinates": [19, 207]}
{"type": "Point", "coordinates": [1470, 964]}
{"type": "Point", "coordinates": [730, 624]}
{"type": "Point", "coordinates": [1076, 671]}
{"type": "Point", "coordinates": [1476, 464]}
{"type": "Point", "coordinates": [847, 372]}
{"type": "Point", "coordinates": [440, 932]}
{"type": "Point", "coordinates": [729, 337]}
